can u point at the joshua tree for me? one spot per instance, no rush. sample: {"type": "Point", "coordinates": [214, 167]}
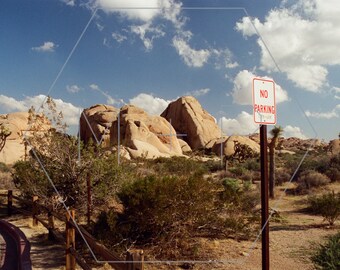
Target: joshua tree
{"type": "Point", "coordinates": [4, 133]}
{"type": "Point", "coordinates": [275, 132]}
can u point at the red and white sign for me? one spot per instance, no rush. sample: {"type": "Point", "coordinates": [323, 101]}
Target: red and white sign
{"type": "Point", "coordinates": [264, 105]}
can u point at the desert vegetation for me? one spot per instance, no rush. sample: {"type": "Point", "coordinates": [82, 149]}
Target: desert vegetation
{"type": "Point", "coordinates": [166, 206]}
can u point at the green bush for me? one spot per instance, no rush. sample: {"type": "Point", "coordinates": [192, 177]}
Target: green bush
{"type": "Point", "coordinates": [176, 166]}
{"type": "Point", "coordinates": [327, 205]}
{"type": "Point", "coordinates": [4, 167]}
{"type": "Point", "coordinates": [327, 257]}
{"type": "Point", "coordinates": [311, 179]}
{"type": "Point", "coordinates": [168, 213]}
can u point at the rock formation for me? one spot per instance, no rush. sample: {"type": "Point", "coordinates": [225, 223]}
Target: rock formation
{"type": "Point", "coordinates": [188, 117]}
{"type": "Point", "coordinates": [144, 135]}
{"type": "Point", "coordinates": [229, 142]}
{"type": "Point", "coordinates": [95, 123]}
{"type": "Point", "coordinates": [334, 146]}
{"type": "Point", "coordinates": [17, 124]}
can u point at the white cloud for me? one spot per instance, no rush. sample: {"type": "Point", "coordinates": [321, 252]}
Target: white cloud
{"type": "Point", "coordinates": [70, 112]}
{"type": "Point", "coordinates": [149, 103]}
{"type": "Point", "coordinates": [243, 124]}
{"type": "Point", "coordinates": [192, 57]}
{"type": "Point", "coordinates": [9, 104]}
{"type": "Point", "coordinates": [325, 115]}
{"type": "Point", "coordinates": [119, 37]}
{"type": "Point", "coordinates": [70, 3]}
{"type": "Point", "coordinates": [73, 88]}
{"type": "Point", "coordinates": [133, 9]}
{"type": "Point", "coordinates": [48, 46]}
{"type": "Point", "coordinates": [147, 34]}
{"type": "Point", "coordinates": [223, 58]}
{"type": "Point", "coordinates": [198, 92]}
{"type": "Point", "coordinates": [109, 100]}
{"type": "Point", "coordinates": [242, 91]}
{"type": "Point", "coordinates": [302, 38]}
{"type": "Point", "coordinates": [291, 131]}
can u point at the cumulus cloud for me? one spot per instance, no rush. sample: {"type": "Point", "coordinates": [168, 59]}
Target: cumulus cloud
{"type": "Point", "coordinates": [243, 124]}
{"type": "Point", "coordinates": [73, 88]}
{"type": "Point", "coordinates": [242, 91]}
{"type": "Point", "coordinates": [48, 46]}
{"type": "Point", "coordinates": [291, 131]}
{"type": "Point", "coordinates": [303, 39]}
{"type": "Point", "coordinates": [109, 100]}
{"type": "Point", "coordinates": [149, 103]}
{"type": "Point", "coordinates": [325, 115]}
{"type": "Point", "coordinates": [144, 10]}
{"type": "Point", "coordinates": [147, 33]}
{"type": "Point", "coordinates": [198, 92]}
{"type": "Point", "coordinates": [192, 57]}
{"type": "Point", "coordinates": [70, 112]}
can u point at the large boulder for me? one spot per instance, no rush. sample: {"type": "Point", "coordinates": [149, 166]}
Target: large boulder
{"type": "Point", "coordinates": [95, 123]}
{"type": "Point", "coordinates": [188, 117]}
{"type": "Point", "coordinates": [17, 123]}
{"type": "Point", "coordinates": [229, 142]}
{"type": "Point", "coordinates": [334, 146]}
{"type": "Point", "coordinates": [144, 135]}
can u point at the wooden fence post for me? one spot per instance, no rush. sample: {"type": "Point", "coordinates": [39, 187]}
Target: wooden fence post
{"type": "Point", "coordinates": [70, 242]}
{"type": "Point", "coordinates": [35, 210]}
{"type": "Point", "coordinates": [50, 225]}
{"type": "Point", "coordinates": [135, 259]}
{"type": "Point", "coordinates": [9, 202]}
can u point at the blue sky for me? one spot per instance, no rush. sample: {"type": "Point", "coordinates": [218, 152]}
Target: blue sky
{"type": "Point", "coordinates": [150, 57]}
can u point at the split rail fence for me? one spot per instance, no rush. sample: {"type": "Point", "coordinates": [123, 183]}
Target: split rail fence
{"type": "Point", "coordinates": [134, 258]}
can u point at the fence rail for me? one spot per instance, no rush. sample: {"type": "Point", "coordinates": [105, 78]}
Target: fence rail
{"type": "Point", "coordinates": [133, 261]}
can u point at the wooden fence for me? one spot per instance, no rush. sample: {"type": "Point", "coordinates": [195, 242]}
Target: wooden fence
{"type": "Point", "coordinates": [133, 261]}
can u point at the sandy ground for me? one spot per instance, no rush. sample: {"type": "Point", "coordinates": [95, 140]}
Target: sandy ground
{"type": "Point", "coordinates": [291, 242]}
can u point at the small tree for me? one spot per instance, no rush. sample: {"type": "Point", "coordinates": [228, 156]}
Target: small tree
{"type": "Point", "coordinates": [4, 134]}
{"type": "Point", "coordinates": [275, 132]}
{"type": "Point", "coordinates": [54, 158]}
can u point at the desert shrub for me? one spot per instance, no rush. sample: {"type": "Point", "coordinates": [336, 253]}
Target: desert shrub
{"type": "Point", "coordinates": [281, 177]}
{"type": "Point", "coordinates": [214, 165]}
{"type": "Point", "coordinates": [252, 164]}
{"type": "Point", "coordinates": [168, 213]}
{"type": "Point", "coordinates": [327, 256]}
{"type": "Point", "coordinates": [238, 171]}
{"type": "Point", "coordinates": [327, 205]}
{"type": "Point", "coordinates": [311, 179]}
{"type": "Point", "coordinates": [165, 211]}
{"type": "Point", "coordinates": [4, 167]}
{"type": "Point", "coordinates": [333, 171]}
{"type": "Point", "coordinates": [176, 166]}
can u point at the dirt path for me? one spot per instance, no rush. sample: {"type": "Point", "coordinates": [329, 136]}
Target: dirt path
{"type": "Point", "coordinates": [44, 253]}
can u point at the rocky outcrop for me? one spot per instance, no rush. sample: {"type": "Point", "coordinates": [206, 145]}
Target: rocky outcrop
{"type": "Point", "coordinates": [188, 117]}
{"type": "Point", "coordinates": [229, 142]}
{"type": "Point", "coordinates": [95, 123]}
{"type": "Point", "coordinates": [144, 135]}
{"type": "Point", "coordinates": [334, 146]}
{"type": "Point", "coordinates": [17, 124]}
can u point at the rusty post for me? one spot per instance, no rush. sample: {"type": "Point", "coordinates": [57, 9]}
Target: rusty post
{"type": "Point", "coordinates": [9, 202]}
{"type": "Point", "coordinates": [50, 226]}
{"type": "Point", "coordinates": [34, 210]}
{"type": "Point", "coordinates": [70, 242]}
{"type": "Point", "coordinates": [135, 259]}
{"type": "Point", "coordinates": [264, 197]}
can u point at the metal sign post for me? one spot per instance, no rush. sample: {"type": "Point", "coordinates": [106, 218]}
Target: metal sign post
{"type": "Point", "coordinates": [264, 198]}
{"type": "Point", "coordinates": [264, 111]}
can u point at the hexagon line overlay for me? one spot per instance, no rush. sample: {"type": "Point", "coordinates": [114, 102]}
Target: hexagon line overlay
{"type": "Point", "coordinates": [229, 261]}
